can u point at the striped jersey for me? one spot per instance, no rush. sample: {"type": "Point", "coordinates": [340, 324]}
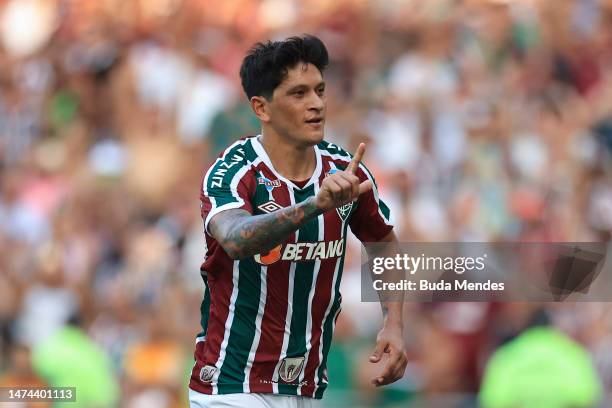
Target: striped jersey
{"type": "Point", "coordinates": [268, 319]}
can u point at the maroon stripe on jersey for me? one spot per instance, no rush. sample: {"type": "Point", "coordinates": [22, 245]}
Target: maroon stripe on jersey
{"type": "Point", "coordinates": [205, 206]}
{"type": "Point", "coordinates": [275, 312]}
{"type": "Point", "coordinates": [204, 201]}
{"type": "Point", "coordinates": [195, 383]}
{"type": "Point", "coordinates": [220, 286]}
{"type": "Point", "coordinates": [323, 294]}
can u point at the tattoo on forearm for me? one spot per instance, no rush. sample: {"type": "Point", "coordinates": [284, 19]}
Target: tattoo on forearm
{"type": "Point", "coordinates": [389, 300]}
{"type": "Point", "coordinates": [244, 235]}
{"type": "Point", "coordinates": [292, 214]}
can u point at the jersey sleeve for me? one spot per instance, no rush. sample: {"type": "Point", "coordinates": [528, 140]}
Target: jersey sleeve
{"type": "Point", "coordinates": [227, 185]}
{"type": "Point", "coordinates": [371, 220]}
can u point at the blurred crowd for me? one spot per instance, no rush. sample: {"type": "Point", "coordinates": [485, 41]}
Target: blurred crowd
{"type": "Point", "coordinates": [484, 121]}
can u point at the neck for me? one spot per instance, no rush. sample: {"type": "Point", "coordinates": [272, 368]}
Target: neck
{"type": "Point", "coordinates": [292, 161]}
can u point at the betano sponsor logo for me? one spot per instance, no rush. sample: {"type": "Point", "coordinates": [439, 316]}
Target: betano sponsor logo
{"type": "Point", "coordinates": [302, 251]}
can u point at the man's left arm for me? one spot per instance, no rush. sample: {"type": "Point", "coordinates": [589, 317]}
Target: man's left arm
{"type": "Point", "coordinates": [390, 339]}
{"type": "Point", "coordinates": [370, 223]}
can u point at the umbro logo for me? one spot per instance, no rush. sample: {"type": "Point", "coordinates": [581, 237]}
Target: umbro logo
{"type": "Point", "coordinates": [270, 207]}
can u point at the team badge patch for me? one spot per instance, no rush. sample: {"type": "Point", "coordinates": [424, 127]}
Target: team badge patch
{"type": "Point", "coordinates": [269, 207]}
{"type": "Point", "coordinates": [269, 184]}
{"type": "Point", "coordinates": [207, 373]}
{"type": "Point", "coordinates": [345, 210]}
{"type": "Point", "coordinates": [290, 368]}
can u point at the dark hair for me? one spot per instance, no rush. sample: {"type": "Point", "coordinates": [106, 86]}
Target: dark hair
{"type": "Point", "coordinates": [266, 64]}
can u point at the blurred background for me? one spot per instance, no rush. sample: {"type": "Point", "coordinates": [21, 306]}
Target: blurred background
{"type": "Point", "coordinates": [485, 121]}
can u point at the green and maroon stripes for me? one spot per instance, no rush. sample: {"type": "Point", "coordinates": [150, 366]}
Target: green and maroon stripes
{"type": "Point", "coordinates": [329, 324]}
{"type": "Point", "coordinates": [324, 293]}
{"type": "Point", "coordinates": [220, 287]}
{"type": "Point", "coordinates": [242, 332]}
{"type": "Point", "coordinates": [301, 290]}
{"type": "Point", "coordinates": [273, 323]}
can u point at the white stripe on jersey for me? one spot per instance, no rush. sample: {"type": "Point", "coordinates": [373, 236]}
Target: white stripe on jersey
{"type": "Point", "coordinates": [348, 159]}
{"type": "Point", "coordinates": [260, 312]}
{"type": "Point", "coordinates": [329, 306]}
{"type": "Point", "coordinates": [228, 327]}
{"type": "Point", "coordinates": [283, 352]}
{"type": "Point", "coordinates": [317, 267]}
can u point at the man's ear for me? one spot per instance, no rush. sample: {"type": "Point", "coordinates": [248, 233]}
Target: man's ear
{"type": "Point", "coordinates": [259, 104]}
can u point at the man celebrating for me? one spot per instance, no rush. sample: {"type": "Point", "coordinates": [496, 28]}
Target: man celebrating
{"type": "Point", "coordinates": [276, 209]}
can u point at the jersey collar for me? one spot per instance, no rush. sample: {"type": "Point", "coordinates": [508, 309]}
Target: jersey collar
{"type": "Point", "coordinates": [261, 152]}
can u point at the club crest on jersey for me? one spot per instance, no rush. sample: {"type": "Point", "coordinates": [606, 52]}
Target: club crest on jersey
{"type": "Point", "coordinates": [345, 210]}
{"type": "Point", "coordinates": [269, 184]}
{"type": "Point", "coordinates": [290, 368]}
{"type": "Point", "coordinates": [207, 372]}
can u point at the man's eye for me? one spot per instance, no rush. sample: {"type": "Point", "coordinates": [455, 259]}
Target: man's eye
{"type": "Point", "coordinates": [321, 91]}
{"type": "Point", "coordinates": [299, 93]}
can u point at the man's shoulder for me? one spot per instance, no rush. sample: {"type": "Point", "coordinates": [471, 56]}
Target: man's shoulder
{"type": "Point", "coordinates": [236, 160]}
{"type": "Point", "coordinates": [334, 151]}
{"type": "Point", "coordinates": [340, 157]}
{"type": "Point", "coordinates": [241, 152]}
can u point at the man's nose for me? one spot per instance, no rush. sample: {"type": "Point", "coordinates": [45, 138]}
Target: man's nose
{"type": "Point", "coordinates": [317, 102]}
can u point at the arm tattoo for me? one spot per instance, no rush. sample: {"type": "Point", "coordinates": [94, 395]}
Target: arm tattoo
{"type": "Point", "coordinates": [390, 301]}
{"type": "Point", "coordinates": [242, 235]}
{"type": "Point", "coordinates": [385, 309]}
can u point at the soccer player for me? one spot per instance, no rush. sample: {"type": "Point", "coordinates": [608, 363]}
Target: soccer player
{"type": "Point", "coordinates": [276, 209]}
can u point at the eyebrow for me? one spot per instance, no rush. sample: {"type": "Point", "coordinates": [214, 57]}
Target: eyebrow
{"type": "Point", "coordinates": [304, 86]}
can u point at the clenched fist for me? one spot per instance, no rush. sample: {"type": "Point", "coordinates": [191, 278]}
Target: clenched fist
{"type": "Point", "coordinates": [342, 187]}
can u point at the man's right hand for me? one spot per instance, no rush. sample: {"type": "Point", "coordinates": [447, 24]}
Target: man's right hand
{"type": "Point", "coordinates": [342, 187]}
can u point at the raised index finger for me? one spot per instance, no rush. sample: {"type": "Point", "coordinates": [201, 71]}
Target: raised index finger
{"type": "Point", "coordinates": [354, 164]}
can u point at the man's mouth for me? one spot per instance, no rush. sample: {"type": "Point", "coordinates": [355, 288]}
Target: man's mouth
{"type": "Point", "coordinates": [315, 121]}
